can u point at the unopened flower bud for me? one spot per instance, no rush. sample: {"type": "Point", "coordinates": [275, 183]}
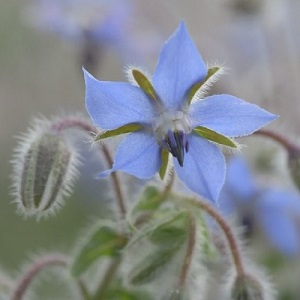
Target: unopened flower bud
{"type": "Point", "coordinates": [247, 288]}
{"type": "Point", "coordinates": [44, 168]}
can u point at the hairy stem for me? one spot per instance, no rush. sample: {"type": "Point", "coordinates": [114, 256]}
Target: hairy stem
{"type": "Point", "coordinates": [25, 280]}
{"type": "Point", "coordinates": [189, 253]}
{"type": "Point", "coordinates": [72, 122]}
{"type": "Point", "coordinates": [279, 138]}
{"type": "Point", "coordinates": [168, 187]}
{"type": "Point", "coordinates": [116, 184]}
{"type": "Point", "coordinates": [106, 280]}
{"type": "Point", "coordinates": [234, 249]}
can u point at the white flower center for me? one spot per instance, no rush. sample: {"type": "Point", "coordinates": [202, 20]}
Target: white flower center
{"type": "Point", "coordinates": [175, 121]}
{"type": "Point", "coordinates": [170, 129]}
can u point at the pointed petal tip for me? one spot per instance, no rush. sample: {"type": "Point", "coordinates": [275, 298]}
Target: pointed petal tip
{"type": "Point", "coordinates": [182, 29]}
{"type": "Point", "coordinates": [87, 75]}
{"type": "Point", "coordinates": [269, 118]}
{"type": "Point", "coordinates": [182, 25]}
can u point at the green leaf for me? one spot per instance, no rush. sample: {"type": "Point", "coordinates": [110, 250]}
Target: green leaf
{"type": "Point", "coordinates": [171, 233]}
{"type": "Point", "coordinates": [214, 136]}
{"type": "Point", "coordinates": [144, 83]}
{"type": "Point", "coordinates": [149, 201]}
{"type": "Point", "coordinates": [198, 85]}
{"type": "Point", "coordinates": [207, 246]}
{"type": "Point", "coordinates": [164, 163]}
{"type": "Point", "coordinates": [105, 241]}
{"type": "Point", "coordinates": [151, 266]}
{"type": "Point", "coordinates": [168, 238]}
{"type": "Point", "coordinates": [121, 130]}
{"type": "Point", "coordinates": [124, 294]}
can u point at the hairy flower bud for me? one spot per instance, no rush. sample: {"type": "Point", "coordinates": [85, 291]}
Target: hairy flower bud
{"type": "Point", "coordinates": [44, 168]}
{"type": "Point", "coordinates": [247, 288]}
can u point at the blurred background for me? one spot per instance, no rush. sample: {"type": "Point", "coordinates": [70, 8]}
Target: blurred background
{"type": "Point", "coordinates": [43, 45]}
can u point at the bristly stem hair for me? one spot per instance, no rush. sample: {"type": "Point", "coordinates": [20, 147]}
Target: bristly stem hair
{"type": "Point", "coordinates": [191, 242]}
{"type": "Point", "coordinates": [73, 122]}
{"type": "Point", "coordinates": [280, 139]}
{"type": "Point", "coordinates": [31, 273]}
{"type": "Point", "coordinates": [232, 243]}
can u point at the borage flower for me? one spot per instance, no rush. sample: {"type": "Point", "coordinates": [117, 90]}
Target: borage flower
{"type": "Point", "coordinates": [165, 116]}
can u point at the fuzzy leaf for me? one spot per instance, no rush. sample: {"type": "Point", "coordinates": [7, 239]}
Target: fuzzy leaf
{"type": "Point", "coordinates": [171, 233]}
{"type": "Point", "coordinates": [120, 293]}
{"type": "Point", "coordinates": [105, 241]}
{"type": "Point", "coordinates": [168, 239]}
{"type": "Point", "coordinates": [121, 130]}
{"type": "Point", "coordinates": [213, 136]}
{"type": "Point", "coordinates": [151, 266]}
{"type": "Point", "coordinates": [149, 201]}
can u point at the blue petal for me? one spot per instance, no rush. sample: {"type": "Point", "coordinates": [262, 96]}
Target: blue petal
{"type": "Point", "coordinates": [239, 180]}
{"type": "Point", "coordinates": [279, 214]}
{"type": "Point", "coordinates": [138, 155]}
{"type": "Point", "coordinates": [203, 168]}
{"type": "Point", "coordinates": [179, 67]}
{"type": "Point", "coordinates": [114, 104]}
{"type": "Point", "coordinates": [229, 115]}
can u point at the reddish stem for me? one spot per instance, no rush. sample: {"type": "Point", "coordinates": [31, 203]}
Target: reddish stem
{"type": "Point", "coordinates": [32, 272]}
{"type": "Point", "coordinates": [234, 249]}
{"type": "Point", "coordinates": [279, 138]}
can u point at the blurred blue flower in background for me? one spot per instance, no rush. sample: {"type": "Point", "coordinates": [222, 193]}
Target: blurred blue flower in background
{"type": "Point", "coordinates": [171, 117]}
{"type": "Point", "coordinates": [275, 211]}
{"type": "Point", "coordinates": [103, 21]}
{"type": "Point", "coordinates": [94, 25]}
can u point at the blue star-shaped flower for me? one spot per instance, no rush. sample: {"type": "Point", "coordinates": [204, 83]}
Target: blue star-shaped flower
{"type": "Point", "coordinates": [166, 115]}
{"type": "Point", "coordinates": [276, 211]}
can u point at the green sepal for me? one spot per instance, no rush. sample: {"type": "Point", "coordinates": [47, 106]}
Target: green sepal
{"type": "Point", "coordinates": [198, 85]}
{"type": "Point", "coordinates": [171, 233]}
{"type": "Point", "coordinates": [104, 242]}
{"type": "Point", "coordinates": [121, 130]}
{"type": "Point", "coordinates": [213, 136]}
{"type": "Point", "coordinates": [164, 163]}
{"type": "Point", "coordinates": [144, 83]}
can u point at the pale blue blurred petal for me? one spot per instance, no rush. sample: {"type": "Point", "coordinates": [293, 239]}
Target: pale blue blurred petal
{"type": "Point", "coordinates": [279, 214]}
{"type": "Point", "coordinates": [229, 115]}
{"type": "Point", "coordinates": [138, 155]}
{"type": "Point", "coordinates": [179, 67]}
{"type": "Point", "coordinates": [239, 179]}
{"type": "Point", "coordinates": [203, 168]}
{"type": "Point", "coordinates": [114, 104]}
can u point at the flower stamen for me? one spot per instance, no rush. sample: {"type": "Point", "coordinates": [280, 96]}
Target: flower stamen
{"type": "Point", "coordinates": [176, 143]}
{"type": "Point", "coordinates": [170, 129]}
